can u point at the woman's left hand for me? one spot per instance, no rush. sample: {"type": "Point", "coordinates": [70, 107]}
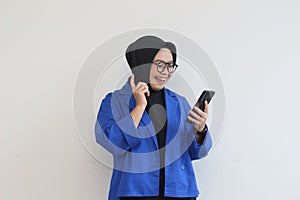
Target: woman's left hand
{"type": "Point", "coordinates": [199, 117]}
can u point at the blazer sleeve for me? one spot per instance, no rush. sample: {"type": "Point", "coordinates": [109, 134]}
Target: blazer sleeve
{"type": "Point", "coordinates": [112, 133]}
{"type": "Point", "coordinates": [196, 150]}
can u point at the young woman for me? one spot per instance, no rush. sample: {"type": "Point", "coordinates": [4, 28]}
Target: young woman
{"type": "Point", "coordinates": [151, 131]}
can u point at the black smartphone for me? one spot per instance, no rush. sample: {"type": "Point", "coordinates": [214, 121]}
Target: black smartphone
{"type": "Point", "coordinates": [206, 95]}
{"type": "Point", "coordinates": [141, 73]}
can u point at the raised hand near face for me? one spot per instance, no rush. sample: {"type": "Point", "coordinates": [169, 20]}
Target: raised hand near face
{"type": "Point", "coordinates": [139, 91]}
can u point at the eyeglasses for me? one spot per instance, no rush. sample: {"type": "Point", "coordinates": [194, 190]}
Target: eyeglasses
{"type": "Point", "coordinates": [161, 66]}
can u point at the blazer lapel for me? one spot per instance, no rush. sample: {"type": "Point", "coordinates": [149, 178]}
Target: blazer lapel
{"type": "Point", "coordinates": [173, 115]}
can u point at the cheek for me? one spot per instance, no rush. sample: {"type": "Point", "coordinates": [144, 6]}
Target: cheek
{"type": "Point", "coordinates": [169, 76]}
{"type": "Point", "coordinates": [152, 71]}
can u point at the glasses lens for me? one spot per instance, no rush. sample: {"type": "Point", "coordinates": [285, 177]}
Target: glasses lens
{"type": "Point", "coordinates": [160, 68]}
{"type": "Point", "coordinates": [171, 68]}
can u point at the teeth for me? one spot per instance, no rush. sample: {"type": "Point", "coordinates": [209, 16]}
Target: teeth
{"type": "Point", "coordinates": [162, 79]}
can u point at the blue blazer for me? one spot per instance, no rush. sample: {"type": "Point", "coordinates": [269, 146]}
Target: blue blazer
{"type": "Point", "coordinates": [135, 150]}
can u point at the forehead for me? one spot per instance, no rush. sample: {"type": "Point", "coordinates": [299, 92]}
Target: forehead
{"type": "Point", "coordinates": [164, 54]}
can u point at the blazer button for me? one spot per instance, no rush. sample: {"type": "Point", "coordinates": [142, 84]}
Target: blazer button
{"type": "Point", "coordinates": [182, 167]}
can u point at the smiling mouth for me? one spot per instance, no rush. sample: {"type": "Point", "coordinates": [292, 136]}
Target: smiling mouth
{"type": "Point", "coordinates": [160, 80]}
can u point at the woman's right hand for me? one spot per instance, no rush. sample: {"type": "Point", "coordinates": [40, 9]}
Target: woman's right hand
{"type": "Point", "coordinates": [139, 90]}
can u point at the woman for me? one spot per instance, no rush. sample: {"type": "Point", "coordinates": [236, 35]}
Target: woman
{"type": "Point", "coordinates": [151, 131]}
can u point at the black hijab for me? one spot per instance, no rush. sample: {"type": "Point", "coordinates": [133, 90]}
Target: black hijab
{"type": "Point", "coordinates": [141, 53]}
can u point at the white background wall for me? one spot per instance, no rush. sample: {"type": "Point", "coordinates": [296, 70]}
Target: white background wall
{"type": "Point", "coordinates": [254, 44]}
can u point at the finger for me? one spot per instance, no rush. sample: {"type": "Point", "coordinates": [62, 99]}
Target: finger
{"type": "Point", "coordinates": [200, 117]}
{"type": "Point", "coordinates": [198, 110]}
{"type": "Point", "coordinates": [191, 119]}
{"type": "Point", "coordinates": [132, 85]}
{"type": "Point", "coordinates": [202, 114]}
{"type": "Point", "coordinates": [148, 92]}
{"type": "Point", "coordinates": [140, 86]}
{"type": "Point", "coordinates": [206, 107]}
{"type": "Point", "coordinates": [144, 91]}
{"type": "Point", "coordinates": [194, 115]}
{"type": "Point", "coordinates": [196, 122]}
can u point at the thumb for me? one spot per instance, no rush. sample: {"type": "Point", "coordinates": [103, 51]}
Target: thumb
{"type": "Point", "coordinates": [206, 106]}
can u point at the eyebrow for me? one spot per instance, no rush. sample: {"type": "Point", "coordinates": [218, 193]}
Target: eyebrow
{"type": "Point", "coordinates": [164, 61]}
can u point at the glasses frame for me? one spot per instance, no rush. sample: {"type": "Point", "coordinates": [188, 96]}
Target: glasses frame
{"type": "Point", "coordinates": [166, 65]}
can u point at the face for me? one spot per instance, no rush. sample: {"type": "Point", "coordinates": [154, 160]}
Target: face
{"type": "Point", "coordinates": [159, 79]}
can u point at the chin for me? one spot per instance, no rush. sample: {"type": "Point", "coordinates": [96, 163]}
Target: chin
{"type": "Point", "coordinates": [157, 87]}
